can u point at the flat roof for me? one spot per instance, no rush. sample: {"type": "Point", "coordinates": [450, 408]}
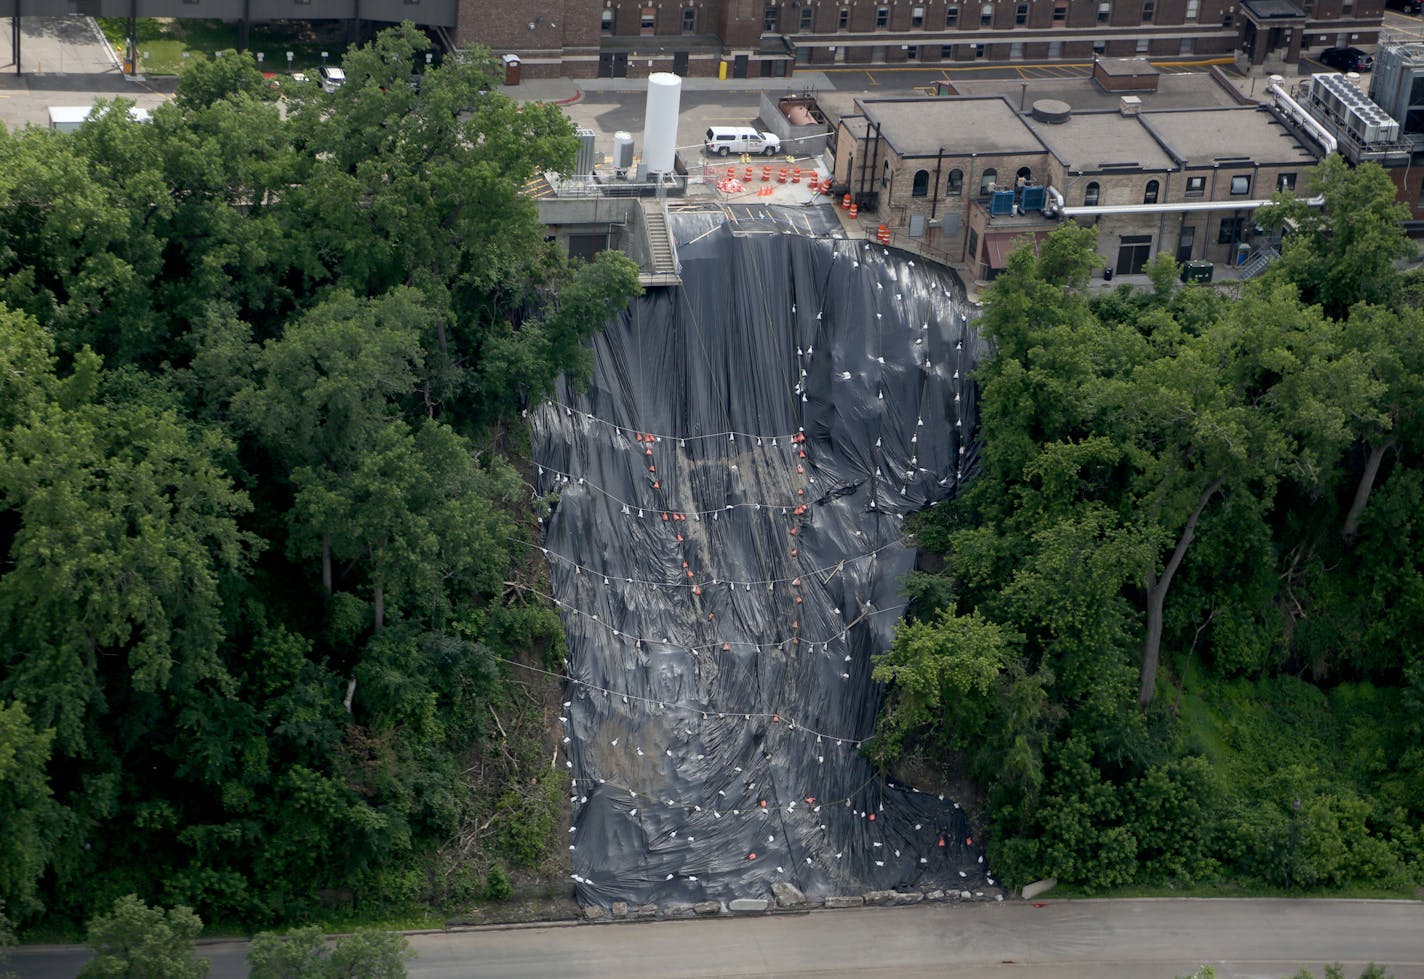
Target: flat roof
{"type": "Point", "coordinates": [1091, 141]}
{"type": "Point", "coordinates": [1250, 134]}
{"type": "Point", "coordinates": [1184, 90]}
{"type": "Point", "coordinates": [959, 125]}
{"type": "Point", "coordinates": [1126, 67]}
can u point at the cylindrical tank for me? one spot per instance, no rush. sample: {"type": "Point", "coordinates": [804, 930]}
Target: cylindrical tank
{"type": "Point", "coordinates": [660, 121]}
{"type": "Point", "coordinates": [622, 150]}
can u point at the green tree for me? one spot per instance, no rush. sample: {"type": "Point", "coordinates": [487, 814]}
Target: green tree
{"type": "Point", "coordinates": [1344, 252]}
{"type": "Point", "coordinates": [27, 810]}
{"type": "Point", "coordinates": [135, 941]}
{"type": "Point", "coordinates": [305, 954]}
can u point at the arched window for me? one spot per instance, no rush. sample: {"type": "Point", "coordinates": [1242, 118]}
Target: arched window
{"type": "Point", "coordinates": [1024, 176]}
{"type": "Point", "coordinates": [885, 175]}
{"type": "Point", "coordinates": [1090, 194]}
{"type": "Point", "coordinates": [921, 186]}
{"type": "Point", "coordinates": [955, 185]}
{"type": "Point", "coordinates": [1149, 196]}
{"type": "Point", "coordinates": [986, 182]}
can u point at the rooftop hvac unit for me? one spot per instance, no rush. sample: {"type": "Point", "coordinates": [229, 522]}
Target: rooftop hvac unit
{"type": "Point", "coordinates": [1001, 202]}
{"type": "Point", "coordinates": [584, 165]}
{"type": "Point", "coordinates": [1033, 198]}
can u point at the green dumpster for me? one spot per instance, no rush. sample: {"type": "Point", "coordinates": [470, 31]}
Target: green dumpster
{"type": "Point", "coordinates": [1196, 270]}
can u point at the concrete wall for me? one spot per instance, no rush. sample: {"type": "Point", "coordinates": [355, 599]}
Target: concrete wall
{"type": "Point", "coordinates": [796, 140]}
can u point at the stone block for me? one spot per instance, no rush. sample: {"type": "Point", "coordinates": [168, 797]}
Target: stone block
{"type": "Point", "coordinates": [787, 894]}
{"type": "Point", "coordinates": [1038, 887]}
{"type": "Point", "coordinates": [748, 905]}
{"type": "Point", "coordinates": [845, 901]}
{"type": "Point", "coordinates": [707, 907]}
{"type": "Point", "coordinates": [881, 898]}
{"type": "Point", "coordinates": [592, 912]}
{"type": "Point", "coordinates": [619, 909]}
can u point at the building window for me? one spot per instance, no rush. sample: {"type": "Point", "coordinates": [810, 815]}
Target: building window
{"type": "Point", "coordinates": [1104, 11]}
{"type": "Point", "coordinates": [1196, 187]}
{"type": "Point", "coordinates": [1226, 19]}
{"type": "Point", "coordinates": [1193, 8]}
{"type": "Point", "coordinates": [843, 23]}
{"type": "Point", "coordinates": [1187, 46]}
{"type": "Point", "coordinates": [1230, 232]}
{"type": "Point", "coordinates": [1021, 14]}
{"type": "Point", "coordinates": [954, 186]}
{"type": "Point", "coordinates": [1016, 51]}
{"type": "Point", "coordinates": [1060, 13]}
{"type": "Point", "coordinates": [808, 14]}
{"type": "Point", "coordinates": [1240, 186]}
{"type": "Point", "coordinates": [973, 245]}
{"type": "Point", "coordinates": [978, 50]}
{"type": "Point", "coordinates": [951, 16]}
{"type": "Point", "coordinates": [1090, 195]}
{"type": "Point", "coordinates": [1347, 8]}
{"type": "Point", "coordinates": [1286, 182]}
{"type": "Point", "coordinates": [946, 52]}
{"type": "Point", "coordinates": [1099, 47]}
{"type": "Point", "coordinates": [769, 20]}
{"type": "Point", "coordinates": [1149, 195]}
{"type": "Point", "coordinates": [689, 20]}
{"type": "Point", "coordinates": [885, 176]}
{"type": "Point", "coordinates": [1149, 10]}
{"type": "Point", "coordinates": [986, 182]}
{"type": "Point", "coordinates": [912, 52]}
{"type": "Point", "coordinates": [917, 16]}
{"type": "Point", "coordinates": [882, 18]}
{"type": "Point", "coordinates": [1024, 176]}
{"type": "Point", "coordinates": [1055, 49]}
{"type": "Point", "coordinates": [649, 22]}
{"type": "Point", "coordinates": [921, 186]}
{"type": "Point", "coordinates": [606, 24]}
{"type": "Point", "coordinates": [1142, 45]}
{"type": "Point", "coordinates": [986, 15]}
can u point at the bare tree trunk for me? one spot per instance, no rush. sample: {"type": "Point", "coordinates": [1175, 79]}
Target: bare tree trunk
{"type": "Point", "coordinates": [380, 602]}
{"type": "Point", "coordinates": [1362, 492]}
{"type": "Point", "coordinates": [1157, 598]}
{"type": "Point", "coordinates": [326, 563]}
{"type": "Point", "coordinates": [350, 693]}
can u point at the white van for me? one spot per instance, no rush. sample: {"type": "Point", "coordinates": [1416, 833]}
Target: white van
{"type": "Point", "coordinates": [331, 78]}
{"type": "Point", "coordinates": [724, 140]}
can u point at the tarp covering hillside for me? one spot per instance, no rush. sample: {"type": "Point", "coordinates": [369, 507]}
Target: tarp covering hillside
{"type": "Point", "coordinates": [727, 554]}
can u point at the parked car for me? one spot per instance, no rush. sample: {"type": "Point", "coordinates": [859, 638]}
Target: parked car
{"type": "Point", "coordinates": [1346, 59]}
{"type": "Point", "coordinates": [331, 77]}
{"type": "Point", "coordinates": [1408, 6]}
{"type": "Point", "coordinates": [722, 140]}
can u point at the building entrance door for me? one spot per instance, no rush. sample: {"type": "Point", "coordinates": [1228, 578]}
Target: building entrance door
{"type": "Point", "coordinates": [679, 63]}
{"type": "Point", "coordinates": [613, 64]}
{"type": "Point", "coordinates": [1132, 254]}
{"type": "Point", "coordinates": [1185, 239]}
{"type": "Point", "coordinates": [739, 66]}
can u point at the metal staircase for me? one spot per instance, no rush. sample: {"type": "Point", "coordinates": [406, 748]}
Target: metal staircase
{"type": "Point", "coordinates": [665, 269]}
{"type": "Point", "coordinates": [1257, 263]}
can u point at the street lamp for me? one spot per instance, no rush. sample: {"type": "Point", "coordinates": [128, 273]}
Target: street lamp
{"type": "Point", "coordinates": [323, 57]}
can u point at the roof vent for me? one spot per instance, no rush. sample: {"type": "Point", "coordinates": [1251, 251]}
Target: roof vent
{"type": "Point", "coordinates": [1052, 111]}
{"type": "Point", "coordinates": [1130, 105]}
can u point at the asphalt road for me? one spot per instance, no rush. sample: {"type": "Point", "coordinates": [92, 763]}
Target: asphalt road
{"type": "Point", "coordinates": [1137, 939]}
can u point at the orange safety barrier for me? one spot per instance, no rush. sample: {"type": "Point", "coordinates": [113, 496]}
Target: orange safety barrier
{"type": "Point", "coordinates": [796, 175]}
{"type": "Point", "coordinates": [765, 174]}
{"type": "Point", "coordinates": [826, 185]}
{"type": "Point", "coordinates": [845, 202]}
{"type": "Point", "coordinates": [854, 211]}
{"type": "Point", "coordinates": [781, 177]}
{"type": "Point", "coordinates": [882, 235]}
{"type": "Point", "coordinates": [731, 173]}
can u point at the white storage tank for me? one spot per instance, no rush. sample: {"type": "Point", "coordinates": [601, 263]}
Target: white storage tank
{"type": "Point", "coordinates": [622, 151]}
{"type": "Point", "coordinates": [660, 122]}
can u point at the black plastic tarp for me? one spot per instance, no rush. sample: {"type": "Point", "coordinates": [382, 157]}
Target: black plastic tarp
{"type": "Point", "coordinates": [727, 557]}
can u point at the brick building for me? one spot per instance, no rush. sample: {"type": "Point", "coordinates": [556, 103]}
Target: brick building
{"type": "Point", "coordinates": [961, 179]}
{"type": "Point", "coordinates": [771, 38]}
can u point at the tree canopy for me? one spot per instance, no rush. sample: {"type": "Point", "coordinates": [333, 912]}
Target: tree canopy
{"type": "Point", "coordinates": [1183, 575]}
{"type": "Point", "coordinates": [260, 504]}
